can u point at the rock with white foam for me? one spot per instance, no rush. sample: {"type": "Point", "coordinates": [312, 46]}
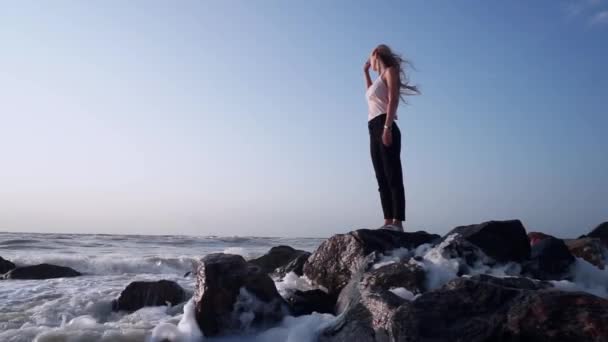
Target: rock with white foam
{"type": "Point", "coordinates": [232, 295]}
{"type": "Point", "coordinates": [550, 260]}
{"type": "Point", "coordinates": [338, 257]}
{"type": "Point", "coordinates": [590, 249]}
{"type": "Point", "coordinates": [503, 241]}
{"type": "Point", "coordinates": [282, 260]}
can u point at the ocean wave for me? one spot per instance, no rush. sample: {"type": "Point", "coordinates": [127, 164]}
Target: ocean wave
{"type": "Point", "coordinates": [114, 264]}
{"type": "Point", "coordinates": [18, 242]}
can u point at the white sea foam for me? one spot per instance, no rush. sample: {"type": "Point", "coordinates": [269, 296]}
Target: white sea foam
{"type": "Point", "coordinates": [392, 256]}
{"type": "Point", "coordinates": [404, 293]}
{"type": "Point", "coordinates": [292, 282]}
{"type": "Point", "coordinates": [585, 277]}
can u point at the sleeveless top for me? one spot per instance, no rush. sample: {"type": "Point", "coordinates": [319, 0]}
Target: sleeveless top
{"type": "Point", "coordinates": [377, 98]}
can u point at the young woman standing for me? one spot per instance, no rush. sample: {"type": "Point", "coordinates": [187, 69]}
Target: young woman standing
{"type": "Point", "coordinates": [383, 97]}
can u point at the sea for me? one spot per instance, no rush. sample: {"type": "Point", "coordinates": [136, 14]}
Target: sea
{"type": "Point", "coordinates": [80, 308]}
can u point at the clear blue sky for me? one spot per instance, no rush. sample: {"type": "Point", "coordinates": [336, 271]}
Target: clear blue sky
{"type": "Point", "coordinates": [249, 118]}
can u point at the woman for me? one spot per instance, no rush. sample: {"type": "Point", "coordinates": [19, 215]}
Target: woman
{"type": "Point", "coordinates": [383, 97]}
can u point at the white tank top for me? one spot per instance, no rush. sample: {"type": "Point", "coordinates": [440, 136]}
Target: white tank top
{"type": "Point", "coordinates": [377, 98]}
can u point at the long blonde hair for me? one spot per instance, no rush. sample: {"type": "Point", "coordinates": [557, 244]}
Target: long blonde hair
{"type": "Point", "coordinates": [391, 59]}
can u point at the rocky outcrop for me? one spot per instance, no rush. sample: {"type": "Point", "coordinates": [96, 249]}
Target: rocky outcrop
{"type": "Point", "coordinates": [550, 260]}
{"type": "Point", "coordinates": [590, 249]}
{"type": "Point", "coordinates": [42, 271]}
{"type": "Point", "coordinates": [503, 241]}
{"type": "Point", "coordinates": [139, 294]}
{"type": "Point", "coordinates": [338, 257]}
{"type": "Point", "coordinates": [306, 302]}
{"type": "Point", "coordinates": [232, 295]}
{"type": "Point", "coordinates": [281, 260]}
{"type": "Point", "coordinates": [600, 232]}
{"type": "Point", "coordinates": [5, 265]}
{"type": "Point", "coordinates": [485, 309]}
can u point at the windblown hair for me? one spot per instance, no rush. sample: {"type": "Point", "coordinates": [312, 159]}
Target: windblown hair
{"type": "Point", "coordinates": [391, 59]}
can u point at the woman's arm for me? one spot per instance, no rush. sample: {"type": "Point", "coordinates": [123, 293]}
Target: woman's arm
{"type": "Point", "coordinates": [368, 79]}
{"type": "Point", "coordinates": [392, 81]}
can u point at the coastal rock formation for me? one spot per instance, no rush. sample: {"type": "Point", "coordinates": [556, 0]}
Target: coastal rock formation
{"type": "Point", "coordinates": [281, 260]}
{"type": "Point", "coordinates": [232, 295]}
{"type": "Point", "coordinates": [590, 249]}
{"type": "Point", "coordinates": [306, 302]}
{"type": "Point", "coordinates": [42, 271]}
{"type": "Point", "coordinates": [550, 259]}
{"type": "Point", "coordinates": [5, 265]}
{"type": "Point", "coordinates": [503, 241]}
{"type": "Point", "coordinates": [337, 258]}
{"type": "Point", "coordinates": [149, 293]}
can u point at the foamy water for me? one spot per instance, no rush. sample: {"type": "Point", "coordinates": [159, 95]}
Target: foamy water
{"type": "Point", "coordinates": [79, 309]}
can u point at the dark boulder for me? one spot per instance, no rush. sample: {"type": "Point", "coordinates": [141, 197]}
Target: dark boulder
{"type": "Point", "coordinates": [550, 259]}
{"type": "Point", "coordinates": [296, 266]}
{"type": "Point", "coordinates": [600, 232]}
{"type": "Point", "coordinates": [42, 271]}
{"type": "Point", "coordinates": [465, 309]}
{"type": "Point", "coordinates": [306, 302]}
{"type": "Point", "coordinates": [364, 311]}
{"type": "Point", "coordinates": [232, 295]}
{"type": "Point", "coordinates": [281, 257]}
{"type": "Point", "coordinates": [536, 237]}
{"type": "Point", "coordinates": [590, 249]}
{"type": "Point", "coordinates": [5, 265]}
{"type": "Point", "coordinates": [547, 316]}
{"type": "Point", "coordinates": [149, 293]}
{"type": "Point", "coordinates": [338, 257]}
{"type": "Point", "coordinates": [503, 241]}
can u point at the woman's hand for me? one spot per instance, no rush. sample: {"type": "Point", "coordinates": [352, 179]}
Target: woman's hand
{"type": "Point", "coordinates": [387, 137]}
{"type": "Point", "coordinates": [366, 66]}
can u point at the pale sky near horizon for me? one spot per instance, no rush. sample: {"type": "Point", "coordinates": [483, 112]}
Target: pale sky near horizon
{"type": "Point", "coordinates": [249, 118]}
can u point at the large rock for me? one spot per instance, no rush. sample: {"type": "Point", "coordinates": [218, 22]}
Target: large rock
{"type": "Point", "coordinates": [366, 305]}
{"type": "Point", "coordinates": [503, 241]}
{"type": "Point", "coordinates": [600, 232]}
{"type": "Point", "coordinates": [296, 266]}
{"type": "Point", "coordinates": [282, 260]}
{"type": "Point", "coordinates": [590, 249]}
{"type": "Point", "coordinates": [536, 237]}
{"type": "Point", "coordinates": [547, 316]}
{"type": "Point", "coordinates": [231, 296]}
{"type": "Point", "coordinates": [550, 260]}
{"type": "Point", "coordinates": [42, 271]}
{"type": "Point", "coordinates": [5, 265]}
{"type": "Point", "coordinates": [486, 309]}
{"type": "Point", "coordinates": [306, 302]}
{"type": "Point", "coordinates": [338, 257]}
{"type": "Point", "coordinates": [149, 293]}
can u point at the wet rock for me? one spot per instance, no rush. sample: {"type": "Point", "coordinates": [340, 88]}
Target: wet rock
{"type": "Point", "coordinates": [547, 316]}
{"type": "Point", "coordinates": [366, 305]}
{"type": "Point", "coordinates": [550, 260]}
{"type": "Point", "coordinates": [590, 249]}
{"type": "Point", "coordinates": [503, 241]}
{"type": "Point", "coordinates": [536, 237]}
{"type": "Point", "coordinates": [465, 309]}
{"type": "Point", "coordinates": [600, 232]}
{"type": "Point", "coordinates": [232, 295]}
{"type": "Point", "coordinates": [338, 257]}
{"type": "Point", "coordinates": [281, 257]}
{"type": "Point", "coordinates": [5, 265]}
{"type": "Point", "coordinates": [306, 302]}
{"type": "Point", "coordinates": [42, 271]}
{"type": "Point", "coordinates": [296, 266]}
{"type": "Point", "coordinates": [139, 294]}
